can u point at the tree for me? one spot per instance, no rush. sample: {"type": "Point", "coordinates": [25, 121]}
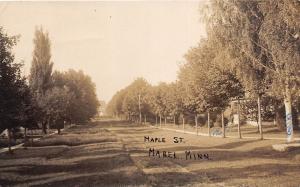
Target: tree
{"type": "Point", "coordinates": [209, 85]}
{"type": "Point", "coordinates": [114, 107]}
{"type": "Point", "coordinates": [41, 71]}
{"type": "Point", "coordinates": [133, 99]}
{"type": "Point", "coordinates": [56, 104]}
{"type": "Point", "coordinates": [29, 115]}
{"type": "Point", "coordinates": [157, 99]}
{"type": "Point", "coordinates": [283, 51]}
{"type": "Point", "coordinates": [80, 92]}
{"type": "Point", "coordinates": [161, 100]}
{"type": "Point", "coordinates": [174, 100]}
{"type": "Point", "coordinates": [13, 88]}
{"type": "Point", "coordinates": [252, 31]}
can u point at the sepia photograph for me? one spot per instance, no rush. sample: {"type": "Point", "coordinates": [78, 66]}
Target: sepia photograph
{"type": "Point", "coordinates": [164, 93]}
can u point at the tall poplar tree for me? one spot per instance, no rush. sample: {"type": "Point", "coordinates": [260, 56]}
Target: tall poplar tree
{"type": "Point", "coordinates": [41, 70]}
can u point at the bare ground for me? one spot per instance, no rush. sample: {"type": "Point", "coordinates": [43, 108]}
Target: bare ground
{"type": "Point", "coordinates": [114, 153]}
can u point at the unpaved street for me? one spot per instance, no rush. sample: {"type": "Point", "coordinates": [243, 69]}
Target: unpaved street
{"type": "Point", "coordinates": [114, 153]}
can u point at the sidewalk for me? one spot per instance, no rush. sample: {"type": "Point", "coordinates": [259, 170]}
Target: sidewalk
{"type": "Point", "coordinates": [219, 136]}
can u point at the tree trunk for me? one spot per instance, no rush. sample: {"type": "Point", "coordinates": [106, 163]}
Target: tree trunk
{"type": "Point", "coordinates": [174, 120]}
{"type": "Point", "coordinates": [183, 124]}
{"type": "Point", "coordinates": [259, 118]}
{"type": "Point", "coordinates": [165, 120]}
{"type": "Point", "coordinates": [25, 133]}
{"type": "Point", "coordinates": [208, 123]}
{"type": "Point", "coordinates": [140, 118]}
{"type": "Point", "coordinates": [31, 138]}
{"type": "Point", "coordinates": [140, 113]}
{"type": "Point", "coordinates": [223, 125]}
{"type": "Point", "coordinates": [9, 140]}
{"type": "Point", "coordinates": [58, 131]}
{"type": "Point", "coordinates": [156, 120]}
{"type": "Point", "coordinates": [145, 118]}
{"type": "Point", "coordinates": [160, 120]}
{"type": "Point", "coordinates": [279, 118]}
{"type": "Point", "coordinates": [239, 121]}
{"type": "Point", "coordinates": [44, 127]}
{"type": "Point", "coordinates": [196, 122]}
{"type": "Point", "coordinates": [288, 114]}
{"type": "Point", "coordinates": [25, 136]}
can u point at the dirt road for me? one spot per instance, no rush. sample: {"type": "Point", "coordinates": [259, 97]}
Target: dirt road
{"type": "Point", "coordinates": [115, 153]}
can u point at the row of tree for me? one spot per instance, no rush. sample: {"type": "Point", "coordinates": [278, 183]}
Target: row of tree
{"type": "Point", "coordinates": [251, 54]}
{"type": "Point", "coordinates": [46, 99]}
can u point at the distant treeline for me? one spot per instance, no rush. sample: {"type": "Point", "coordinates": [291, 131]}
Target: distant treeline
{"type": "Point", "coordinates": [251, 55]}
{"type": "Point", "coordinates": [45, 99]}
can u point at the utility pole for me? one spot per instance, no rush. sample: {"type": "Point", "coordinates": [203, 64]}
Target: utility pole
{"type": "Point", "coordinates": [140, 108]}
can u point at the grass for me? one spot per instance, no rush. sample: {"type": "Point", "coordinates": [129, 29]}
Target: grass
{"type": "Point", "coordinates": [115, 154]}
{"type": "Point", "coordinates": [4, 142]}
{"type": "Point", "coordinates": [70, 140]}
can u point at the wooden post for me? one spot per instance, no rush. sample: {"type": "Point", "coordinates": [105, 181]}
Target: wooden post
{"type": "Point", "coordinates": [196, 122]}
{"type": "Point", "coordinates": [223, 125]}
{"type": "Point", "coordinates": [208, 123]}
{"type": "Point", "coordinates": [259, 118]}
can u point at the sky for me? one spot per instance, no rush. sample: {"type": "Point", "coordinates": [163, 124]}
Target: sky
{"type": "Point", "coordinates": [113, 42]}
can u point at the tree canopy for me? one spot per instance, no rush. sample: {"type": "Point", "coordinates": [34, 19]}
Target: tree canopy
{"type": "Point", "coordinates": [251, 52]}
{"type": "Point", "coordinates": [15, 98]}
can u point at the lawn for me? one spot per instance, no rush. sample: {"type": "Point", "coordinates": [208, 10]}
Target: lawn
{"type": "Point", "coordinates": [114, 153]}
